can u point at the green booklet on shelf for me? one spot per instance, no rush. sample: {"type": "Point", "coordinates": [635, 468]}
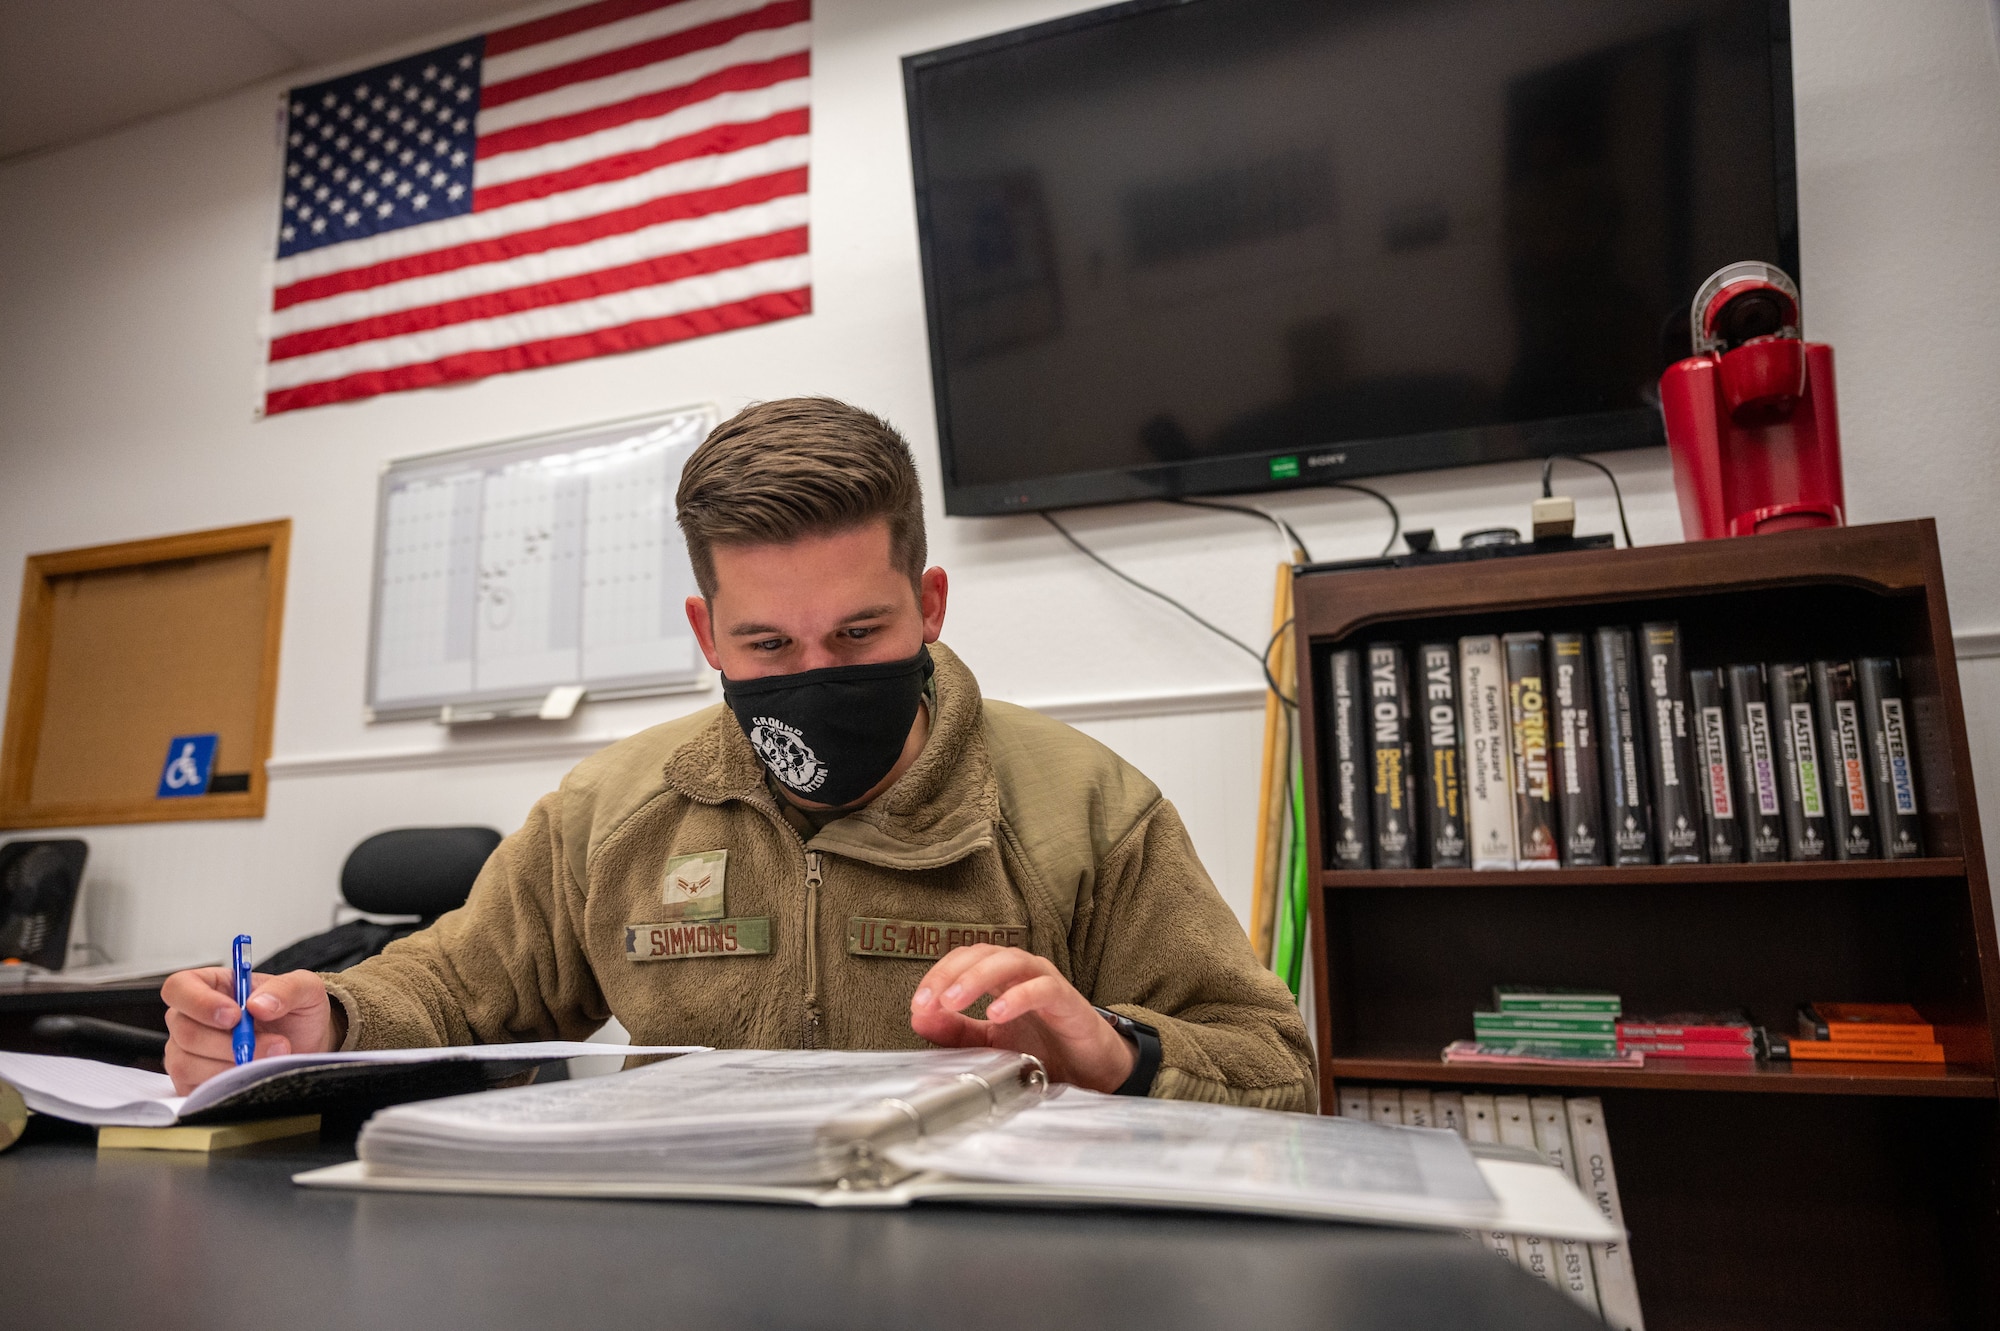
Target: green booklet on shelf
{"type": "Point", "coordinates": [1525, 998]}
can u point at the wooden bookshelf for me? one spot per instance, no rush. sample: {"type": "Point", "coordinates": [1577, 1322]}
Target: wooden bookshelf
{"type": "Point", "coordinates": [1418, 1067]}
{"type": "Point", "coordinates": [1645, 875]}
{"type": "Point", "coordinates": [1773, 1196]}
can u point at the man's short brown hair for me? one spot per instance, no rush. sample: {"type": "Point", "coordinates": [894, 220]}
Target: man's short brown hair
{"type": "Point", "coordinates": [800, 466]}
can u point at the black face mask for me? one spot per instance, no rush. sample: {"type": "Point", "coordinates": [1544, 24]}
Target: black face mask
{"type": "Point", "coordinates": [831, 735]}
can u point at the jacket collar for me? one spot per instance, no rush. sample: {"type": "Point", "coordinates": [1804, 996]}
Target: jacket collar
{"type": "Point", "coordinates": [941, 810]}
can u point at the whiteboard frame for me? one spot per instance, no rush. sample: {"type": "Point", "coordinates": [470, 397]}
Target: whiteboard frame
{"type": "Point", "coordinates": [497, 706]}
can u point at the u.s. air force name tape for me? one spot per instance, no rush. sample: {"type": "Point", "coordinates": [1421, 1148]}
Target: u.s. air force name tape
{"type": "Point", "coordinates": [745, 936]}
{"type": "Point", "coordinates": [925, 939]}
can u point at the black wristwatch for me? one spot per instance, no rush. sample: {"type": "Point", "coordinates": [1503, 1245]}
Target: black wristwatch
{"type": "Point", "coordinates": [1144, 1039]}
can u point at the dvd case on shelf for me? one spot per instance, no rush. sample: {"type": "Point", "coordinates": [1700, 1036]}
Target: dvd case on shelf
{"type": "Point", "coordinates": [1845, 749]}
{"type": "Point", "coordinates": [1885, 719]}
{"type": "Point", "coordinates": [1579, 782]}
{"type": "Point", "coordinates": [1394, 785]}
{"type": "Point", "coordinates": [1443, 793]}
{"type": "Point", "coordinates": [1711, 743]}
{"type": "Point", "coordinates": [1756, 764]}
{"type": "Point", "coordinates": [1669, 746]}
{"type": "Point", "coordinates": [1352, 843]}
{"type": "Point", "coordinates": [1489, 791]}
{"type": "Point", "coordinates": [1628, 813]}
{"type": "Point", "coordinates": [1806, 829]}
{"type": "Point", "coordinates": [1535, 845]}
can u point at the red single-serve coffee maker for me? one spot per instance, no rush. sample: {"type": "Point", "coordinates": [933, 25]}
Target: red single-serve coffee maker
{"type": "Point", "coordinates": [1750, 417]}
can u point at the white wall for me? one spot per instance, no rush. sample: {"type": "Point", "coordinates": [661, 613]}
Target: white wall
{"type": "Point", "coordinates": [132, 278]}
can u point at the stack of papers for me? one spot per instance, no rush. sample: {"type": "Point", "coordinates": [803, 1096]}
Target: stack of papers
{"type": "Point", "coordinates": [746, 1116]}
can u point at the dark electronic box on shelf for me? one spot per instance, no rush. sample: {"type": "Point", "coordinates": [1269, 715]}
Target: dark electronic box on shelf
{"type": "Point", "coordinates": [1888, 1174]}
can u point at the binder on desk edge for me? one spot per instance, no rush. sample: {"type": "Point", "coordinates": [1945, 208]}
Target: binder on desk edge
{"type": "Point", "coordinates": [1348, 762]}
{"type": "Point", "coordinates": [1443, 786]}
{"type": "Point", "coordinates": [1489, 788]}
{"type": "Point", "coordinates": [1482, 1124]}
{"type": "Point", "coordinates": [1710, 717]}
{"type": "Point", "coordinates": [1516, 1125]}
{"type": "Point", "coordinates": [1885, 718]}
{"type": "Point", "coordinates": [1807, 830]}
{"type": "Point", "coordinates": [1669, 746]}
{"type": "Point", "coordinates": [1845, 750]}
{"type": "Point", "coordinates": [1394, 784]}
{"type": "Point", "coordinates": [1579, 780]}
{"type": "Point", "coordinates": [1617, 1286]}
{"type": "Point", "coordinates": [1628, 810]}
{"type": "Point", "coordinates": [1551, 1119]}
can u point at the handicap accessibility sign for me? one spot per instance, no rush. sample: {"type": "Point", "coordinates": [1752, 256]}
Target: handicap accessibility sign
{"type": "Point", "coordinates": [190, 760]}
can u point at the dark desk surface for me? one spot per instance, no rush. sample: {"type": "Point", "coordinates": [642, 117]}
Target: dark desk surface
{"type": "Point", "coordinates": [161, 1241]}
{"type": "Point", "coordinates": [136, 1003]}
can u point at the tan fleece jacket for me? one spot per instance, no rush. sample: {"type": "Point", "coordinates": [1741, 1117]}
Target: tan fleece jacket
{"type": "Point", "coordinates": [1007, 820]}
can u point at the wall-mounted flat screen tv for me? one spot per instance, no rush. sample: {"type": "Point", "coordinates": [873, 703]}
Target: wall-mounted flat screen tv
{"type": "Point", "coordinates": [1182, 247]}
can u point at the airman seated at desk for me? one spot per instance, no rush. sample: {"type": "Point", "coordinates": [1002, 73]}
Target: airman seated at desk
{"type": "Point", "coordinates": [850, 852]}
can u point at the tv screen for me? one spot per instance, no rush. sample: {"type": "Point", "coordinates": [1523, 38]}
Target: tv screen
{"type": "Point", "coordinates": [1184, 247]}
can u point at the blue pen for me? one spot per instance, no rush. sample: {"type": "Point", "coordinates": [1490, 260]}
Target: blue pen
{"type": "Point", "coordinates": [244, 1038]}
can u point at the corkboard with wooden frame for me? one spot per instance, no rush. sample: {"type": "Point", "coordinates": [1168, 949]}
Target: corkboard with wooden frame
{"type": "Point", "coordinates": [119, 649]}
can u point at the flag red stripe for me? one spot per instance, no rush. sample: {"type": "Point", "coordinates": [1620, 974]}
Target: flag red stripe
{"type": "Point", "coordinates": [737, 78]}
{"type": "Point", "coordinates": [492, 304]}
{"type": "Point", "coordinates": [551, 351]}
{"type": "Point", "coordinates": [696, 203]}
{"type": "Point", "coordinates": [568, 23]}
{"type": "Point", "coordinates": [782, 14]}
{"type": "Point", "coordinates": [716, 139]}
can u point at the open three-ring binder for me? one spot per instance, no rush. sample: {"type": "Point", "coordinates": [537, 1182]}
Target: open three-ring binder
{"type": "Point", "coordinates": [837, 1129]}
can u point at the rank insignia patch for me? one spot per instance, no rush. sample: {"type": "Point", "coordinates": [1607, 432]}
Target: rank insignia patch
{"type": "Point", "coordinates": [692, 888]}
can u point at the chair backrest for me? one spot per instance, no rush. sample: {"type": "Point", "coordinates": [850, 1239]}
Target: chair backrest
{"type": "Point", "coordinates": [423, 871]}
{"type": "Point", "coordinates": [38, 885]}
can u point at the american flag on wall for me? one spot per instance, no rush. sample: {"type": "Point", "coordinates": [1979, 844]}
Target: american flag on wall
{"type": "Point", "coordinates": [607, 178]}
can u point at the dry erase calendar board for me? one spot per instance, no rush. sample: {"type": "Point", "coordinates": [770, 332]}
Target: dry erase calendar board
{"type": "Point", "coordinates": [506, 571]}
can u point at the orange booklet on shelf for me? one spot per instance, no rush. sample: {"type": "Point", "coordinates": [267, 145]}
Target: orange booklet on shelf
{"type": "Point", "coordinates": [1865, 1051]}
{"type": "Point", "coordinates": [1867, 1023]}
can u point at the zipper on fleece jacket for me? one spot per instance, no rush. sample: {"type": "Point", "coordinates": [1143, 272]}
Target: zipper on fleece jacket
{"type": "Point", "coordinates": [813, 880]}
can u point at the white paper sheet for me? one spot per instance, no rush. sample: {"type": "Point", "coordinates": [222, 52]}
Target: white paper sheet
{"type": "Point", "coordinates": [86, 1091]}
{"type": "Point", "coordinates": [1080, 1139]}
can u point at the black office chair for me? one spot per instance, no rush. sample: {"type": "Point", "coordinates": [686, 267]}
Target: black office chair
{"type": "Point", "coordinates": [420, 871]}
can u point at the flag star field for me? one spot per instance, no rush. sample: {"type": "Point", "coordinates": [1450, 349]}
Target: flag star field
{"type": "Point", "coordinates": [616, 176]}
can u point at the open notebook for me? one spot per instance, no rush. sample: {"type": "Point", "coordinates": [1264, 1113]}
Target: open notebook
{"type": "Point", "coordinates": [84, 1091]}
{"type": "Point", "coordinates": [888, 1129]}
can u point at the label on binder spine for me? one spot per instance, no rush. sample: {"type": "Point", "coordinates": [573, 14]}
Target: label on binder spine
{"type": "Point", "coordinates": [1844, 748]}
{"type": "Point", "coordinates": [1711, 743]}
{"type": "Point", "coordinates": [1885, 720]}
{"type": "Point", "coordinates": [1756, 765]}
{"type": "Point", "coordinates": [1628, 813]}
{"type": "Point", "coordinates": [1806, 828]}
{"type": "Point", "coordinates": [1395, 784]}
{"type": "Point", "coordinates": [1669, 745]}
{"type": "Point", "coordinates": [1617, 1287]}
{"type": "Point", "coordinates": [1347, 762]}
{"type": "Point", "coordinates": [1579, 782]}
{"type": "Point", "coordinates": [1535, 845]}
{"type": "Point", "coordinates": [1443, 786]}
{"type": "Point", "coordinates": [1489, 792]}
